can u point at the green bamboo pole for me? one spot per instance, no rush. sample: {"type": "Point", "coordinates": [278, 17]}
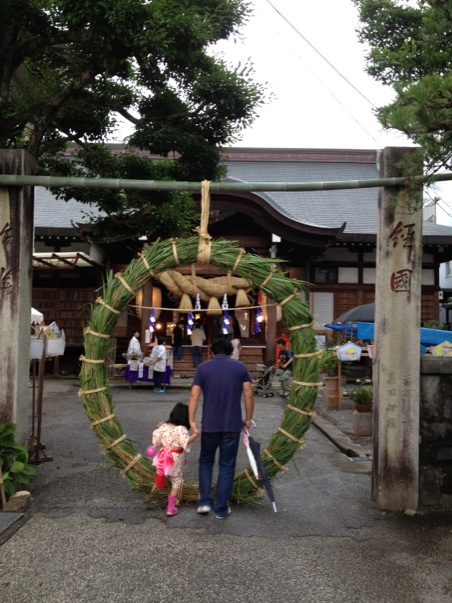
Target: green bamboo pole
{"type": "Point", "coordinates": [113, 183]}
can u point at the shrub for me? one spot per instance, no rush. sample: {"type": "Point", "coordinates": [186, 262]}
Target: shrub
{"type": "Point", "coordinates": [362, 394]}
{"type": "Point", "coordinates": [329, 362]}
{"type": "Point", "coordinates": [13, 460]}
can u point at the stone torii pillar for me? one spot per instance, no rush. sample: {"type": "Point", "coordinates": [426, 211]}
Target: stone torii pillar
{"type": "Point", "coordinates": [395, 473]}
{"type": "Point", "coordinates": [16, 249]}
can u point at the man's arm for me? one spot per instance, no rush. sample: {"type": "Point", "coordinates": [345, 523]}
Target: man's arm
{"type": "Point", "coordinates": [249, 403]}
{"type": "Point", "coordinates": [193, 407]}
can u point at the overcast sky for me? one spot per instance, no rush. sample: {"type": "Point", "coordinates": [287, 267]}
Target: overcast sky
{"type": "Point", "coordinates": [308, 53]}
{"type": "Point", "coordinates": [314, 104]}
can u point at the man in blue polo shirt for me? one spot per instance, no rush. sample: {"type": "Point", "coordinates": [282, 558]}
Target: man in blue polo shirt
{"type": "Point", "coordinates": [222, 381]}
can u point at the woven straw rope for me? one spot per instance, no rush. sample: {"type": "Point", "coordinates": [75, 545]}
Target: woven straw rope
{"type": "Point", "coordinates": [112, 444]}
{"type": "Point", "coordinates": [91, 360]}
{"type": "Point", "coordinates": [250, 479]}
{"type": "Point", "coordinates": [99, 300]}
{"type": "Point", "coordinates": [204, 246]}
{"type": "Point", "coordinates": [176, 257]}
{"type": "Point", "coordinates": [316, 384]}
{"type": "Point", "coordinates": [277, 463]}
{"type": "Point", "coordinates": [291, 437]}
{"type": "Point", "coordinates": [99, 421]}
{"type": "Point", "coordinates": [125, 284]}
{"type": "Point", "coordinates": [88, 331]}
{"type": "Point", "coordinates": [130, 465]}
{"type": "Point", "coordinates": [307, 413]}
{"type": "Point", "coordinates": [306, 326]}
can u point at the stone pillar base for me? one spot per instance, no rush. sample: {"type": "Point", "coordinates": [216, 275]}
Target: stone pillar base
{"type": "Point", "coordinates": [362, 423]}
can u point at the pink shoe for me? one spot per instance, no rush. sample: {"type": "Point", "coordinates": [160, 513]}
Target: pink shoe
{"type": "Point", "coordinates": [171, 508]}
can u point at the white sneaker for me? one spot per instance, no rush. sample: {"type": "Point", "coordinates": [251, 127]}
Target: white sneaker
{"type": "Point", "coordinates": [203, 509]}
{"type": "Point", "coordinates": [224, 516]}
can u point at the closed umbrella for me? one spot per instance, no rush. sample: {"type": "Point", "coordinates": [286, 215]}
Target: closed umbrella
{"type": "Point", "coordinates": [253, 461]}
{"type": "Point", "coordinates": [364, 313]}
{"type": "Point", "coordinates": [256, 450]}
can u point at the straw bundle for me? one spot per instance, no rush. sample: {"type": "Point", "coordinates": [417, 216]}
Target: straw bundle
{"type": "Point", "coordinates": [242, 300]}
{"type": "Point", "coordinates": [119, 291]}
{"type": "Point", "coordinates": [179, 284]}
{"type": "Point", "coordinates": [213, 307]}
{"type": "Point", "coordinates": [185, 303]}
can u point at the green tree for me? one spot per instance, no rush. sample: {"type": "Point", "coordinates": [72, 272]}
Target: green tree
{"type": "Point", "coordinates": [69, 69]}
{"type": "Point", "coordinates": [410, 50]}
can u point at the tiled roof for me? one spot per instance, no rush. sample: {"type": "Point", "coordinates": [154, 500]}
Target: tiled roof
{"type": "Point", "coordinates": [51, 212]}
{"type": "Point", "coordinates": [358, 208]}
{"type": "Point", "coordinates": [327, 208]}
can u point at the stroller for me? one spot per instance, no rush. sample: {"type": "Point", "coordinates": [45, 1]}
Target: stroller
{"type": "Point", "coordinates": [261, 382]}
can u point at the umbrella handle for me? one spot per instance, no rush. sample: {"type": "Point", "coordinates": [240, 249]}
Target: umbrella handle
{"type": "Point", "coordinates": [245, 430]}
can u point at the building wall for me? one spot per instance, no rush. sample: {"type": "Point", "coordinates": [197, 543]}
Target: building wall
{"type": "Point", "coordinates": [69, 308]}
{"type": "Point", "coordinates": [344, 277]}
{"type": "Point", "coordinates": [435, 453]}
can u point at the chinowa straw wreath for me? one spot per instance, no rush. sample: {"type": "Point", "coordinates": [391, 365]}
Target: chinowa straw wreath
{"type": "Point", "coordinates": [121, 289]}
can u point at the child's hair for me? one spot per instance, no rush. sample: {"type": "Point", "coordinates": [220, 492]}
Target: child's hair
{"type": "Point", "coordinates": [179, 415]}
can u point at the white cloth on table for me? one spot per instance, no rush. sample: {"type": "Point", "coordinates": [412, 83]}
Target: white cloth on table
{"type": "Point", "coordinates": [169, 357]}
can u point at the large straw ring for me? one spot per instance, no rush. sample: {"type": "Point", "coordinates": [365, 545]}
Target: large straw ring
{"type": "Point", "coordinates": [97, 395]}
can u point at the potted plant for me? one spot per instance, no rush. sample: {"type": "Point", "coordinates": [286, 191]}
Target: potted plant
{"type": "Point", "coordinates": [363, 396]}
{"type": "Point", "coordinates": [329, 364]}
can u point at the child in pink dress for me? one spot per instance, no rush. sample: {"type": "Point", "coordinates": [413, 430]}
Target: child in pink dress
{"type": "Point", "coordinates": [175, 439]}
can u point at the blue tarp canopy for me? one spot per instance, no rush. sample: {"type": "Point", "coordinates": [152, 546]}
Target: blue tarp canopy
{"type": "Point", "coordinates": [428, 336]}
{"type": "Point", "coordinates": [344, 326]}
{"type": "Point", "coordinates": [365, 330]}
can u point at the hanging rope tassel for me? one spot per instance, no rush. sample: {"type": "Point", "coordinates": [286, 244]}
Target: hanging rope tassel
{"type": "Point", "coordinates": [185, 303]}
{"type": "Point", "coordinates": [242, 301]}
{"type": "Point", "coordinates": [214, 308]}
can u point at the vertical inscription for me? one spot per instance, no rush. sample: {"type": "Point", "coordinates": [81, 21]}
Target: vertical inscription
{"type": "Point", "coordinates": [6, 249]}
{"type": "Point", "coordinates": [405, 234]}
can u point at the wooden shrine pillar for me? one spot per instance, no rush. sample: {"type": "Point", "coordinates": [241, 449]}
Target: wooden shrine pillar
{"type": "Point", "coordinates": [16, 250]}
{"type": "Point", "coordinates": [145, 315]}
{"type": "Point", "coordinates": [395, 472]}
{"type": "Point", "coordinates": [270, 333]}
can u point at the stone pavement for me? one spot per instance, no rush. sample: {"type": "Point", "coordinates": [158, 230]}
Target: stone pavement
{"type": "Point", "coordinates": [87, 538]}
